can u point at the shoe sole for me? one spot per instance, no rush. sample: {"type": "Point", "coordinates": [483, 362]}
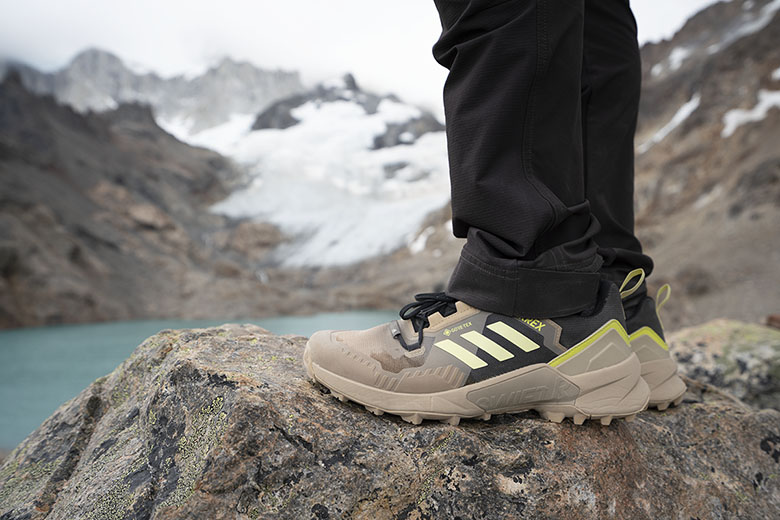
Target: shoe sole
{"type": "Point", "coordinates": [617, 391]}
{"type": "Point", "coordinates": [666, 387]}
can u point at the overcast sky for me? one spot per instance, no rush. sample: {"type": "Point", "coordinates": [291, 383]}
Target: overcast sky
{"type": "Point", "coordinates": [386, 44]}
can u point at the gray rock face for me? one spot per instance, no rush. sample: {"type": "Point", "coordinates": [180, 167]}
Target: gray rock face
{"type": "Point", "coordinates": [741, 358]}
{"type": "Point", "coordinates": [708, 199]}
{"type": "Point", "coordinates": [707, 205]}
{"type": "Point", "coordinates": [98, 80]}
{"type": "Point", "coordinates": [409, 131]}
{"type": "Point", "coordinates": [222, 423]}
{"type": "Point", "coordinates": [105, 216]}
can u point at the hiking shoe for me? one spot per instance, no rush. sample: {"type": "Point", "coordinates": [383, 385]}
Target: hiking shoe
{"type": "Point", "coordinates": [445, 360]}
{"type": "Point", "coordinates": [646, 336]}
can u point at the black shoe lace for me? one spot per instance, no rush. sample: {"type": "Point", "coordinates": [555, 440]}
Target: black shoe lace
{"type": "Point", "coordinates": [419, 310]}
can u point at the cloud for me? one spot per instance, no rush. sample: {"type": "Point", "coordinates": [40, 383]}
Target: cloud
{"type": "Point", "coordinates": [387, 45]}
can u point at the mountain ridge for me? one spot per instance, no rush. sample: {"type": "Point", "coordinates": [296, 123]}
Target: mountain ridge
{"type": "Point", "coordinates": [99, 80]}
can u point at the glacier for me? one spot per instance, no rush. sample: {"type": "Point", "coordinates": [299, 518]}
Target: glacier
{"type": "Point", "coordinates": [324, 185]}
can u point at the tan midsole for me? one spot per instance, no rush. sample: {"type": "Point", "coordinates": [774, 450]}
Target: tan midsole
{"type": "Point", "coordinates": [614, 390]}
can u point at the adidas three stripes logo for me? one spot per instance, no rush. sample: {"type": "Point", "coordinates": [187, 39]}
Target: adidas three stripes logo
{"type": "Point", "coordinates": [487, 345]}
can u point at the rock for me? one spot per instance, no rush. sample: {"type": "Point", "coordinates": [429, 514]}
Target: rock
{"type": "Point", "coordinates": [279, 114]}
{"type": "Point", "coordinates": [9, 257]}
{"type": "Point", "coordinates": [149, 216]}
{"type": "Point", "coordinates": [773, 320]}
{"type": "Point", "coordinates": [408, 132]}
{"type": "Point", "coordinates": [222, 423]}
{"type": "Point", "coordinates": [742, 358]}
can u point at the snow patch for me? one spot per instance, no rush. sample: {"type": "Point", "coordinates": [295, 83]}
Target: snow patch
{"type": "Point", "coordinates": [406, 137]}
{"type": "Point", "coordinates": [776, 74]}
{"type": "Point", "coordinates": [708, 197]}
{"type": "Point", "coordinates": [678, 56]}
{"type": "Point", "coordinates": [672, 62]}
{"type": "Point", "coordinates": [335, 83]}
{"type": "Point", "coordinates": [107, 103]}
{"type": "Point", "coordinates": [750, 26]}
{"type": "Point", "coordinates": [417, 245]}
{"type": "Point", "coordinates": [736, 117]}
{"type": "Point", "coordinates": [138, 68]}
{"type": "Point", "coordinates": [180, 127]}
{"type": "Point", "coordinates": [220, 138]}
{"type": "Point", "coordinates": [681, 115]}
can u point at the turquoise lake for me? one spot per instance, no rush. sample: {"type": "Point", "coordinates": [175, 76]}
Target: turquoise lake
{"type": "Point", "coordinates": [41, 368]}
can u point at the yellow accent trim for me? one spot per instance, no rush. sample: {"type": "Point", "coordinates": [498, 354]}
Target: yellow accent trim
{"type": "Point", "coordinates": [630, 276]}
{"type": "Point", "coordinates": [582, 345]}
{"type": "Point", "coordinates": [510, 334]}
{"type": "Point", "coordinates": [488, 345]}
{"type": "Point", "coordinates": [461, 353]}
{"type": "Point", "coordinates": [647, 331]}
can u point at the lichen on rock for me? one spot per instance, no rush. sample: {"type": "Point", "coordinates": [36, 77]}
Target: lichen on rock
{"type": "Point", "coordinates": [223, 423]}
{"type": "Point", "coordinates": [742, 358]}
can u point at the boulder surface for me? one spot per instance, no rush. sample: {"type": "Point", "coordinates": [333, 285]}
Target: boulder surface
{"type": "Point", "coordinates": [741, 358]}
{"type": "Point", "coordinates": [223, 423]}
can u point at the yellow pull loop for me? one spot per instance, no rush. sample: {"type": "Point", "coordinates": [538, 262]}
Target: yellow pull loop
{"type": "Point", "coordinates": [661, 297]}
{"type": "Point", "coordinates": [633, 274]}
{"type": "Point", "coordinates": [664, 292]}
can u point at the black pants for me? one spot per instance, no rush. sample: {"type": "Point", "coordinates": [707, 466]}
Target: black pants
{"type": "Point", "coordinates": [541, 103]}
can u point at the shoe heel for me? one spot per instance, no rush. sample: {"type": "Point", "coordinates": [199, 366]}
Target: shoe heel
{"type": "Point", "coordinates": [618, 390]}
{"type": "Point", "coordinates": [612, 392]}
{"type": "Point", "coordinates": [666, 387]}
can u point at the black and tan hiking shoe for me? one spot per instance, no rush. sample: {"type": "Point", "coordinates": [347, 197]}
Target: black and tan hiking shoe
{"type": "Point", "coordinates": [646, 336]}
{"type": "Point", "coordinates": [445, 360]}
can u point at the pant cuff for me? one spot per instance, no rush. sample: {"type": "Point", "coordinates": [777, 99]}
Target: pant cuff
{"type": "Point", "coordinates": [521, 291]}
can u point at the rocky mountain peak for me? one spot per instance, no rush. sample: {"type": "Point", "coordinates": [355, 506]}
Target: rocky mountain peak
{"type": "Point", "coordinates": [229, 65]}
{"type": "Point", "coordinates": [349, 81]}
{"type": "Point", "coordinates": [98, 80]}
{"type": "Point", "coordinates": [94, 61]}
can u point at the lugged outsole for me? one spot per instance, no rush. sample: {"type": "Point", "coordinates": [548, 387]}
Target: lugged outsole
{"type": "Point", "coordinates": [417, 418]}
{"type": "Point", "coordinates": [668, 393]}
{"type": "Point", "coordinates": [666, 404]}
{"type": "Point", "coordinates": [555, 413]}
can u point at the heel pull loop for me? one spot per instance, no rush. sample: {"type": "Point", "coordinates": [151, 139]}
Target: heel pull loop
{"type": "Point", "coordinates": [633, 274]}
{"type": "Point", "coordinates": [664, 292]}
{"type": "Point", "coordinates": [661, 297]}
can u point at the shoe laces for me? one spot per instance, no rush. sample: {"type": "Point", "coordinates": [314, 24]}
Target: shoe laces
{"type": "Point", "coordinates": [424, 305]}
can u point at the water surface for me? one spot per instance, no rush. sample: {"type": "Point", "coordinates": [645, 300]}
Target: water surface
{"type": "Point", "coordinates": [41, 368]}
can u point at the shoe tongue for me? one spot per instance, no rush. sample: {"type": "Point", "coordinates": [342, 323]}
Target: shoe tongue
{"type": "Point", "coordinates": [436, 318]}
